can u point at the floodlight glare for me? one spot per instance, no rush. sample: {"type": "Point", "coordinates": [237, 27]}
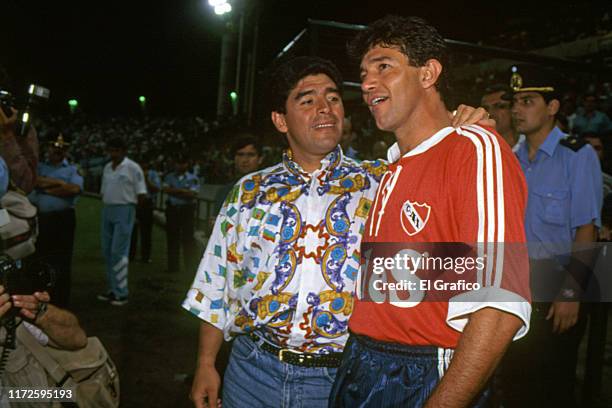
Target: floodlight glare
{"type": "Point", "coordinates": [233, 96]}
{"type": "Point", "coordinates": [142, 99]}
{"type": "Point", "coordinates": [223, 8]}
{"type": "Point", "coordinates": [73, 103]}
{"type": "Point", "coordinates": [215, 3]}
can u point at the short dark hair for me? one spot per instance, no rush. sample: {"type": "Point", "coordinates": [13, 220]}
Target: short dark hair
{"type": "Point", "coordinates": [412, 36]}
{"type": "Point", "coordinates": [287, 74]}
{"type": "Point", "coordinates": [116, 143]}
{"type": "Point", "coordinates": [245, 141]}
{"type": "Point", "coordinates": [493, 88]}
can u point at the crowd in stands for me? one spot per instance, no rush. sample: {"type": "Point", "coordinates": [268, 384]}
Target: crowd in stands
{"type": "Point", "coordinates": [587, 109]}
{"type": "Point", "coordinates": [567, 25]}
{"type": "Point", "coordinates": [152, 140]}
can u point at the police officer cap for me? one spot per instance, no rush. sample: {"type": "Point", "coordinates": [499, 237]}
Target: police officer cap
{"type": "Point", "coordinates": [533, 78]}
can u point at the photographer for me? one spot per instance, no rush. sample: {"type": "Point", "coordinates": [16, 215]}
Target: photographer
{"type": "Point", "coordinates": [19, 152]}
{"type": "Point", "coordinates": [49, 325]}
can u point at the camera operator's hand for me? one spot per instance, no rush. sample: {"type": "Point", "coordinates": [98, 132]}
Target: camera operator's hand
{"type": "Point", "coordinates": [31, 305]}
{"type": "Point", "coordinates": [6, 121]}
{"type": "Point", "coordinates": [5, 302]}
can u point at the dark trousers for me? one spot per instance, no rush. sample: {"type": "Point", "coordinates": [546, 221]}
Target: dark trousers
{"type": "Point", "coordinates": [389, 375]}
{"type": "Point", "coordinates": [179, 233]}
{"type": "Point", "coordinates": [54, 246]}
{"type": "Point", "coordinates": [143, 228]}
{"type": "Point", "coordinates": [539, 370]}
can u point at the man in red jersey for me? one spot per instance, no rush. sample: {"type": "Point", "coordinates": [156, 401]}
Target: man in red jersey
{"type": "Point", "coordinates": [444, 185]}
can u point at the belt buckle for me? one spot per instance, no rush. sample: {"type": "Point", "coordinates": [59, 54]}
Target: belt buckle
{"type": "Point", "coordinates": [282, 351]}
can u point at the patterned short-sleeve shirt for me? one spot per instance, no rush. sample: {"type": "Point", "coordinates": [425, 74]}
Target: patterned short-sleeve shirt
{"type": "Point", "coordinates": [284, 254]}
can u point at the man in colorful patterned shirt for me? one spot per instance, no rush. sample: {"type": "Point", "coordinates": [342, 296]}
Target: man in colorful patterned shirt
{"type": "Point", "coordinates": [280, 267]}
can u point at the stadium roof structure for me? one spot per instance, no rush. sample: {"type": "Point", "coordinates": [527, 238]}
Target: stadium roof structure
{"type": "Point", "coordinates": [328, 39]}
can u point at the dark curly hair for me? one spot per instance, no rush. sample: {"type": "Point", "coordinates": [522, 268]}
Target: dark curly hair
{"type": "Point", "coordinates": [413, 36]}
{"type": "Point", "coordinates": [286, 76]}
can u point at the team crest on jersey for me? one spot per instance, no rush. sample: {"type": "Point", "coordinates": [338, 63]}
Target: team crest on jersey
{"type": "Point", "coordinates": [414, 216]}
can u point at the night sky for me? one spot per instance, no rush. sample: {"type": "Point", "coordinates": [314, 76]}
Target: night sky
{"type": "Point", "coordinates": [108, 53]}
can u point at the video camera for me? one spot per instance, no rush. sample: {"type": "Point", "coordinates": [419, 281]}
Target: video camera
{"type": "Point", "coordinates": [36, 96]}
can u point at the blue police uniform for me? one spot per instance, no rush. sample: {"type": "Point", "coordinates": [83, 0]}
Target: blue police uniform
{"type": "Point", "coordinates": [4, 177]}
{"type": "Point", "coordinates": [57, 224]}
{"type": "Point", "coordinates": [180, 212]}
{"type": "Point", "coordinates": [565, 192]}
{"type": "Point", "coordinates": [143, 227]}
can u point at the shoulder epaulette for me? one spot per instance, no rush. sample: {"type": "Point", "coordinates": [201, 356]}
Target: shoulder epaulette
{"type": "Point", "coordinates": [574, 143]}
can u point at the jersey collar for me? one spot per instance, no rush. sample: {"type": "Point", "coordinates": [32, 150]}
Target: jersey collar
{"type": "Point", "coordinates": [394, 153]}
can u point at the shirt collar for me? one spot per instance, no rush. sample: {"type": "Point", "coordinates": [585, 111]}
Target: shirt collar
{"type": "Point", "coordinates": [329, 162]}
{"type": "Point", "coordinates": [552, 141]}
{"type": "Point", "coordinates": [394, 153]}
{"type": "Point", "coordinates": [120, 164]}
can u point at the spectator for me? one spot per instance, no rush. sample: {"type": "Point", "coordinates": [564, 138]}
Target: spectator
{"type": "Point", "coordinates": [143, 226]}
{"type": "Point", "coordinates": [123, 186]}
{"type": "Point", "coordinates": [19, 152]}
{"type": "Point", "coordinates": [349, 138]}
{"type": "Point", "coordinates": [379, 150]}
{"type": "Point", "coordinates": [248, 157]}
{"type": "Point", "coordinates": [499, 109]}
{"type": "Point", "coordinates": [591, 120]}
{"type": "Point", "coordinates": [597, 143]}
{"type": "Point", "coordinates": [182, 188]}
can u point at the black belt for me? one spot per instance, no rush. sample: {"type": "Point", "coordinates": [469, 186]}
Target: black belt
{"type": "Point", "coordinates": [290, 356]}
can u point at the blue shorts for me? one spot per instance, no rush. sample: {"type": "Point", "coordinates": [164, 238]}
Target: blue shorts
{"type": "Point", "coordinates": [379, 374]}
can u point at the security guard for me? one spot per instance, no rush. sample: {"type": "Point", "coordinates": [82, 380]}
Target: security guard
{"type": "Point", "coordinates": [143, 227]}
{"type": "Point", "coordinates": [182, 189]}
{"type": "Point", "coordinates": [57, 188]}
{"type": "Point", "coordinates": [563, 211]}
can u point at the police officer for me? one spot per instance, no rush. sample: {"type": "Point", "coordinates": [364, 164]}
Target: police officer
{"type": "Point", "coordinates": [57, 187]}
{"type": "Point", "coordinates": [143, 227]}
{"type": "Point", "coordinates": [563, 212]}
{"type": "Point", "coordinates": [182, 189]}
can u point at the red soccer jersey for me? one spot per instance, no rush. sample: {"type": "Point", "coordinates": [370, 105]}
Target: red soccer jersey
{"type": "Point", "coordinates": [461, 185]}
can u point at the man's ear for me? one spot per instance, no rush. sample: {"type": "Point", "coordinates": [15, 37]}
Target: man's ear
{"type": "Point", "coordinates": [279, 122]}
{"type": "Point", "coordinates": [553, 107]}
{"type": "Point", "coordinates": [430, 72]}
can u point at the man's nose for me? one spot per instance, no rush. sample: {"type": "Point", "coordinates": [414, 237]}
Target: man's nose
{"type": "Point", "coordinates": [323, 105]}
{"type": "Point", "coordinates": [368, 83]}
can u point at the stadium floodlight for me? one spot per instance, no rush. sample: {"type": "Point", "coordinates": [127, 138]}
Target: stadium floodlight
{"type": "Point", "coordinates": [73, 103]}
{"type": "Point", "coordinates": [223, 8]}
{"type": "Point", "coordinates": [233, 96]}
{"type": "Point", "coordinates": [142, 99]}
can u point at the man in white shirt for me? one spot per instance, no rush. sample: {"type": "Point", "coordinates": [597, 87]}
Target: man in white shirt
{"type": "Point", "coordinates": [123, 186]}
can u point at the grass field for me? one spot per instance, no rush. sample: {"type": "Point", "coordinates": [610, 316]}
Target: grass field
{"type": "Point", "coordinates": [152, 339]}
